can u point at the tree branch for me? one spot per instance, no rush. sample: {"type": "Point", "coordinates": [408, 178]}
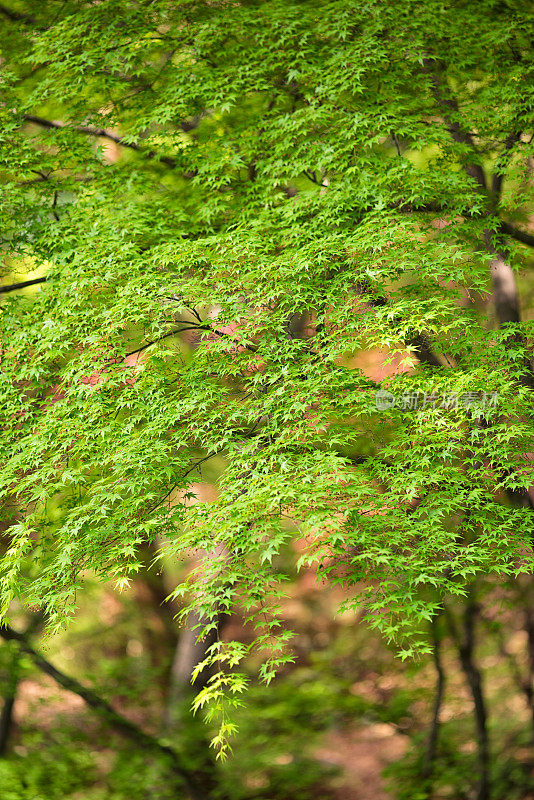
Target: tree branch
{"type": "Point", "coordinates": [190, 326]}
{"type": "Point", "coordinates": [450, 109]}
{"type": "Point", "coordinates": [505, 294]}
{"type": "Point", "coordinates": [498, 175]}
{"type": "Point", "coordinates": [105, 710]}
{"type": "Point", "coordinates": [13, 287]}
{"type": "Point", "coordinates": [423, 350]}
{"type": "Point", "coordinates": [432, 742]}
{"type": "Point", "coordinates": [517, 234]}
{"type": "Point", "coordinates": [422, 347]}
{"type": "Point", "coordinates": [102, 133]}
{"type": "Point", "coordinates": [13, 681]}
{"type": "Point", "coordinates": [465, 646]}
{"type": "Point", "coordinates": [15, 16]}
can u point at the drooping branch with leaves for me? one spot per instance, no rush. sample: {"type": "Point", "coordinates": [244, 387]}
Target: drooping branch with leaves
{"type": "Point", "coordinates": [226, 205]}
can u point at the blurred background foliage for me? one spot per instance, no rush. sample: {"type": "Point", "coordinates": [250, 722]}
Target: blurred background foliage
{"type": "Point", "coordinates": [346, 720]}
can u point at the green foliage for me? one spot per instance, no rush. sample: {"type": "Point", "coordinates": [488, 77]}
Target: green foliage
{"type": "Point", "coordinates": [288, 184]}
{"type": "Point", "coordinates": [455, 770]}
{"type": "Point", "coordinates": [53, 772]}
{"type": "Point", "coordinates": [274, 759]}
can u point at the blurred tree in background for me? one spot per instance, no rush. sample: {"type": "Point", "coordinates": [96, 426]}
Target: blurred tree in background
{"type": "Point", "coordinates": [266, 325]}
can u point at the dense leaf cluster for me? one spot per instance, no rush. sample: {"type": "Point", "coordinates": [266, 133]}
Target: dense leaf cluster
{"type": "Point", "coordinates": [230, 202]}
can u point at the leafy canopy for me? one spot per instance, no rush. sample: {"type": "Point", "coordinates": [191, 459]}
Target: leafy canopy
{"type": "Point", "coordinates": [230, 202]}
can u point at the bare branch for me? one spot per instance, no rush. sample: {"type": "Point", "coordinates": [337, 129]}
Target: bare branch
{"type": "Point", "coordinates": [13, 287]}
{"type": "Point", "coordinates": [505, 294]}
{"type": "Point", "coordinates": [517, 234]}
{"type": "Point", "coordinates": [498, 174]}
{"type": "Point", "coordinates": [432, 742]}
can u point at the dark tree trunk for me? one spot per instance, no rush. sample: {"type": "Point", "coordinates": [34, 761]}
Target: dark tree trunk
{"type": "Point", "coordinates": [432, 743]}
{"type": "Point", "coordinates": [466, 644]}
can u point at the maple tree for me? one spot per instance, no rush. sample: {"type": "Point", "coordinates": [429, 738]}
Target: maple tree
{"type": "Point", "coordinates": [216, 207]}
